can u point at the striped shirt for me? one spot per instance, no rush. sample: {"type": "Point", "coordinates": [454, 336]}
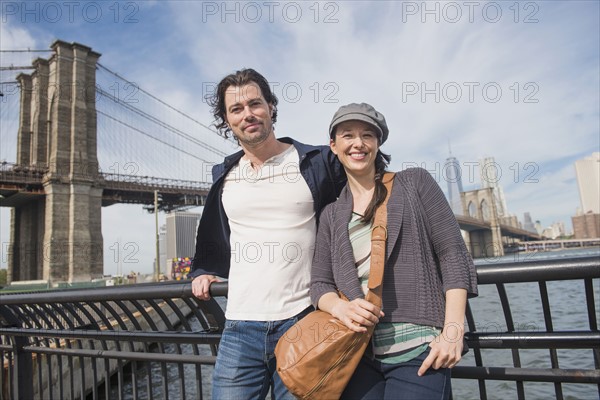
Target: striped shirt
{"type": "Point", "coordinates": [393, 342]}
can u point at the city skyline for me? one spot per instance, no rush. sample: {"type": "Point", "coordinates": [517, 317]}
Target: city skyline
{"type": "Point", "coordinates": [520, 85]}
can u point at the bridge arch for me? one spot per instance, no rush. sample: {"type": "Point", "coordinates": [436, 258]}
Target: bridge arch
{"type": "Point", "coordinates": [485, 210]}
{"type": "Point", "coordinates": [472, 209]}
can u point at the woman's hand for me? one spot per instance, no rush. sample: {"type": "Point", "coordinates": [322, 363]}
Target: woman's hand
{"type": "Point", "coordinates": [201, 286]}
{"type": "Point", "coordinates": [357, 314]}
{"type": "Point", "coordinates": [445, 350]}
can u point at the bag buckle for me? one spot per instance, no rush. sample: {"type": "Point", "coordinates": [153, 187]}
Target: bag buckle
{"type": "Point", "coordinates": [385, 233]}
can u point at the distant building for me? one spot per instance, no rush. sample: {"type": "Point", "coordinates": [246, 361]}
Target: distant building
{"type": "Point", "coordinates": [554, 231]}
{"type": "Point", "coordinates": [528, 223]}
{"type": "Point", "coordinates": [162, 249]}
{"type": "Point", "coordinates": [538, 227]}
{"type": "Point", "coordinates": [587, 171]}
{"type": "Point", "coordinates": [180, 237]}
{"type": "Point", "coordinates": [586, 222]}
{"type": "Point", "coordinates": [586, 226]}
{"type": "Point", "coordinates": [453, 176]}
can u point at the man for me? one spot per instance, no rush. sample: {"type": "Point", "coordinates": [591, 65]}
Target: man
{"type": "Point", "coordinates": [258, 230]}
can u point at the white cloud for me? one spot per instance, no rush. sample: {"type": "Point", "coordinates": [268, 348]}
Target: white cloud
{"type": "Point", "coordinates": [15, 38]}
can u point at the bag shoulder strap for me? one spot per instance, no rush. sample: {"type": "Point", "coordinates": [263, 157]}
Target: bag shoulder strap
{"type": "Point", "coordinates": [378, 244]}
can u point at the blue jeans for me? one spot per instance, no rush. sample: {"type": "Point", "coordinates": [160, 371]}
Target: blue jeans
{"type": "Point", "coordinates": [245, 367]}
{"type": "Point", "coordinates": [375, 380]}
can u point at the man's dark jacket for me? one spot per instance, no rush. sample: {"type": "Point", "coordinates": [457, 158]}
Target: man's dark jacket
{"type": "Point", "coordinates": [320, 169]}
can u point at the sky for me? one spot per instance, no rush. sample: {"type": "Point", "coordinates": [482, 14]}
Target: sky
{"type": "Point", "coordinates": [517, 81]}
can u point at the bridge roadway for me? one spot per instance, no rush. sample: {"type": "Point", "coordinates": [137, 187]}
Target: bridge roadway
{"type": "Point", "coordinates": [19, 185]}
{"type": "Point", "coordinates": [471, 224]}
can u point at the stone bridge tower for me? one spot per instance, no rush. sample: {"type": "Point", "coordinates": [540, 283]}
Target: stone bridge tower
{"type": "Point", "coordinates": [481, 204]}
{"type": "Point", "coordinates": [56, 236]}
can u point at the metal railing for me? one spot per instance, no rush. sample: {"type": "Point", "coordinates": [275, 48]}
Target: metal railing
{"type": "Point", "coordinates": [517, 338]}
{"type": "Point", "coordinates": [107, 343]}
{"type": "Point", "coordinates": [158, 341]}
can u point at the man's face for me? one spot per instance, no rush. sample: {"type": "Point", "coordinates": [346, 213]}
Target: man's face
{"type": "Point", "coordinates": [248, 114]}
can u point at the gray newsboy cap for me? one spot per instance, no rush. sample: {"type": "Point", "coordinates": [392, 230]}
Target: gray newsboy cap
{"type": "Point", "coordinates": [361, 112]}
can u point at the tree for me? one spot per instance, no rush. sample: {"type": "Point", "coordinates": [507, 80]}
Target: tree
{"type": "Point", "coordinates": [3, 273]}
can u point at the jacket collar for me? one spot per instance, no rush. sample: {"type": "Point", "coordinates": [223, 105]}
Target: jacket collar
{"type": "Point", "coordinates": [303, 150]}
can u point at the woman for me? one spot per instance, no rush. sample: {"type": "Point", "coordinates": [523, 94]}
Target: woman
{"type": "Point", "coordinates": [428, 273]}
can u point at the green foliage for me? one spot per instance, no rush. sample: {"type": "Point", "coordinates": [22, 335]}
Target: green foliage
{"type": "Point", "coordinates": [3, 273]}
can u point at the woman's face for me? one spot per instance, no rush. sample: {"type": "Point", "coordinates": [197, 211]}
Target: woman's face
{"type": "Point", "coordinates": [355, 143]}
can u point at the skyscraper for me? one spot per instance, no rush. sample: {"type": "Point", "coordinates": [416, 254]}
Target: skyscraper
{"type": "Point", "coordinates": [587, 224]}
{"type": "Point", "coordinates": [162, 249]}
{"type": "Point", "coordinates": [588, 180]}
{"type": "Point", "coordinates": [528, 224]}
{"type": "Point", "coordinates": [180, 236]}
{"type": "Point", "coordinates": [453, 176]}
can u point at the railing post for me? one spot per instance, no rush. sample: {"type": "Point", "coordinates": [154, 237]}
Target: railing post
{"type": "Point", "coordinates": [23, 363]}
{"type": "Point", "coordinates": [23, 370]}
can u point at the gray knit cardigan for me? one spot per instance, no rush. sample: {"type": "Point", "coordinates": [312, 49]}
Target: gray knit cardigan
{"type": "Point", "coordinates": [426, 254]}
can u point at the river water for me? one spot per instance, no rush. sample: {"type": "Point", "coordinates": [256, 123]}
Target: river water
{"type": "Point", "coordinates": [568, 306]}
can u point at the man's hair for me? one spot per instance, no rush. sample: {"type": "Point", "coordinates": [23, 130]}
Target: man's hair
{"type": "Point", "coordinates": [216, 100]}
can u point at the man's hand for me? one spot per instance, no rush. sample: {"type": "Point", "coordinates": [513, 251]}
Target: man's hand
{"type": "Point", "coordinates": [201, 286]}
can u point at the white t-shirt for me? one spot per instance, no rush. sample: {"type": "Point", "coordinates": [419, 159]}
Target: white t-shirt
{"type": "Point", "coordinates": [272, 220]}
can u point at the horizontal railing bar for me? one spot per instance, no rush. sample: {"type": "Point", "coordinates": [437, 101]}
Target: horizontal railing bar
{"type": "Point", "coordinates": [125, 355]}
{"type": "Point", "coordinates": [534, 340]}
{"type": "Point", "coordinates": [141, 291]}
{"type": "Point", "coordinates": [6, 347]}
{"type": "Point", "coordinates": [108, 335]}
{"type": "Point", "coordinates": [531, 271]}
{"type": "Point", "coordinates": [542, 270]}
{"type": "Point", "coordinates": [529, 340]}
{"type": "Point", "coordinates": [527, 374]}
